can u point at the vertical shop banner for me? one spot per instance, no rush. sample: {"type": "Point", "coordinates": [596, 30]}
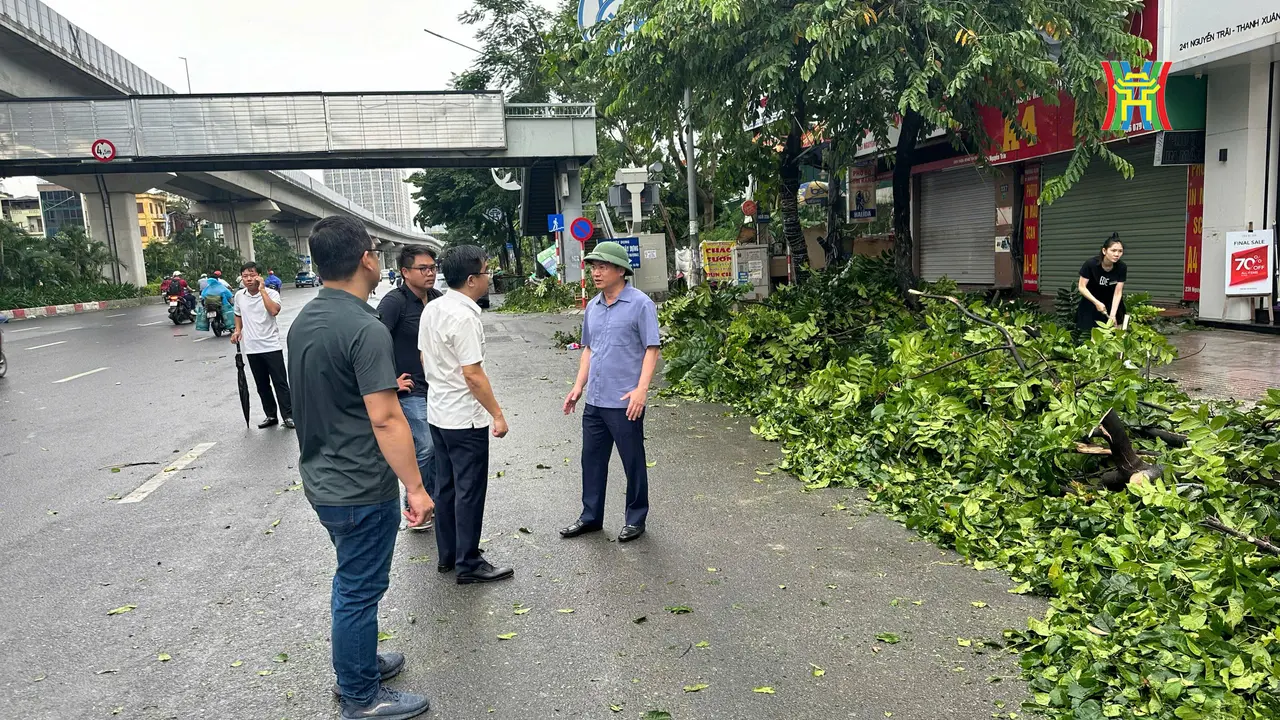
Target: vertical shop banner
{"type": "Point", "coordinates": [861, 196]}
{"type": "Point", "coordinates": [1031, 228]}
{"type": "Point", "coordinates": [1195, 233]}
{"type": "Point", "coordinates": [1250, 263]}
{"type": "Point", "coordinates": [717, 261]}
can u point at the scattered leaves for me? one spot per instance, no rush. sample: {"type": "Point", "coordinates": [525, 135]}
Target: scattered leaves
{"type": "Point", "coordinates": [566, 611]}
{"type": "Point", "coordinates": [696, 688]}
{"type": "Point", "coordinates": [817, 671]}
{"type": "Point", "coordinates": [889, 638]}
{"type": "Point", "coordinates": [237, 663]}
{"type": "Point", "coordinates": [764, 690]}
{"type": "Point", "coordinates": [507, 636]}
{"type": "Point", "coordinates": [384, 635]}
{"type": "Point", "coordinates": [282, 657]}
{"type": "Point", "coordinates": [122, 609]}
{"type": "Point", "coordinates": [164, 657]}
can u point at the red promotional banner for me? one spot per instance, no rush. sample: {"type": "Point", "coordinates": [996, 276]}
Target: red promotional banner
{"type": "Point", "coordinates": [1195, 233]}
{"type": "Point", "coordinates": [1031, 228]}
{"type": "Point", "coordinates": [1249, 265]}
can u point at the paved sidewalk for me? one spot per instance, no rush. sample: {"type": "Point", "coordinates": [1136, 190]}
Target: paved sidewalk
{"type": "Point", "coordinates": [1226, 364]}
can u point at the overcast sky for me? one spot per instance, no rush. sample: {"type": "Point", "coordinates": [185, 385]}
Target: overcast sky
{"type": "Point", "coordinates": [282, 45]}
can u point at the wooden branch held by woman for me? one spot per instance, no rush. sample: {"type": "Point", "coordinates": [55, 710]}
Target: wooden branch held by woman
{"type": "Point", "coordinates": [1008, 339]}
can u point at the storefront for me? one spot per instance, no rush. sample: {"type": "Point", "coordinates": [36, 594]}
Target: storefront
{"type": "Point", "coordinates": [1147, 211]}
{"type": "Point", "coordinates": [956, 226]}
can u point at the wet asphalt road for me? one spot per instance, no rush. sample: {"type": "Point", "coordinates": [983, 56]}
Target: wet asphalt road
{"type": "Point", "coordinates": [228, 568]}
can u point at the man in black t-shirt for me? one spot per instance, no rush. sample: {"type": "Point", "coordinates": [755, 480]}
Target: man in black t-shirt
{"type": "Point", "coordinates": [401, 310]}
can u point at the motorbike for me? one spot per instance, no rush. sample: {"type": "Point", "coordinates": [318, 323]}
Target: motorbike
{"type": "Point", "coordinates": [4, 364]}
{"type": "Point", "coordinates": [213, 311]}
{"type": "Point", "coordinates": [179, 311]}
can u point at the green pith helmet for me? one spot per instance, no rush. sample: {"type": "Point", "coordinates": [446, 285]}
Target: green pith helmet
{"type": "Point", "coordinates": [612, 253]}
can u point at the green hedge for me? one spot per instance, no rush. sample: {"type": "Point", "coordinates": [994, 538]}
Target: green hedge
{"type": "Point", "coordinates": [14, 298]}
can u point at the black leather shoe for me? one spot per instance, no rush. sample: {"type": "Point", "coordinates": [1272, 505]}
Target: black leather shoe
{"type": "Point", "coordinates": [630, 532]}
{"type": "Point", "coordinates": [579, 528]}
{"type": "Point", "coordinates": [485, 573]}
{"type": "Point", "coordinates": [288, 423]}
{"type": "Point", "coordinates": [444, 568]}
{"type": "Point", "coordinates": [269, 422]}
{"type": "Point", "coordinates": [389, 665]}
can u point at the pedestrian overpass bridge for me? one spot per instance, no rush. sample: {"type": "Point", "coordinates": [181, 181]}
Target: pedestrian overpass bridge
{"type": "Point", "coordinates": [238, 156]}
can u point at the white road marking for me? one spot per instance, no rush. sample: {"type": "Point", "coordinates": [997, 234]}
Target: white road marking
{"type": "Point", "coordinates": [11, 332]}
{"type": "Point", "coordinates": [76, 377]}
{"type": "Point", "coordinates": [116, 315]}
{"type": "Point", "coordinates": [37, 347]}
{"type": "Point", "coordinates": [206, 337]}
{"type": "Point", "coordinates": [161, 477]}
{"type": "Point", "coordinates": [151, 323]}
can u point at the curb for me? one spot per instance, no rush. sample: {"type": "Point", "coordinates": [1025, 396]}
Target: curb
{"type": "Point", "coordinates": [77, 308]}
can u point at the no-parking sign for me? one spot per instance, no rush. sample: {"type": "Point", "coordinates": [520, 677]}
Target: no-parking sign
{"type": "Point", "coordinates": [581, 229]}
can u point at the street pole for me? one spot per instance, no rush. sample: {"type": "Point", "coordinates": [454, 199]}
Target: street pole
{"type": "Point", "coordinates": [187, 65]}
{"type": "Point", "coordinates": [691, 174]}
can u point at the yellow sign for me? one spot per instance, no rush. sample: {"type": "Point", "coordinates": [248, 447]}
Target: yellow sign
{"type": "Point", "coordinates": [717, 261]}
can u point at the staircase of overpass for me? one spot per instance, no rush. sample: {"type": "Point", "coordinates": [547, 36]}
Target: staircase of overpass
{"type": "Point", "coordinates": [238, 156]}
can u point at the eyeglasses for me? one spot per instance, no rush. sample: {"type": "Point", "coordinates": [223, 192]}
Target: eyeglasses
{"type": "Point", "coordinates": [425, 268]}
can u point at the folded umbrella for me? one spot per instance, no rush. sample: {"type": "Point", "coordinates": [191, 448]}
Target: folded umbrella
{"type": "Point", "coordinates": [243, 384]}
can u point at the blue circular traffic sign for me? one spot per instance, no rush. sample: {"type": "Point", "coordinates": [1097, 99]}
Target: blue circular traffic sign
{"type": "Point", "coordinates": [581, 229]}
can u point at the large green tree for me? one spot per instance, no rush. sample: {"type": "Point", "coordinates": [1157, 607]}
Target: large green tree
{"type": "Point", "coordinates": [273, 252]}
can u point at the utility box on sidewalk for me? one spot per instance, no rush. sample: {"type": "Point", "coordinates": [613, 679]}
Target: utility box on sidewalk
{"type": "Point", "coordinates": [651, 275]}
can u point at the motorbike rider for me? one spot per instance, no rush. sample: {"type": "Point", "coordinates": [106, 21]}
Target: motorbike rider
{"type": "Point", "coordinates": [179, 287]}
{"type": "Point", "coordinates": [217, 289]}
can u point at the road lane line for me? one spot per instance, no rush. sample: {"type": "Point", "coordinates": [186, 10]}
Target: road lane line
{"type": "Point", "coordinates": [76, 377]}
{"type": "Point", "coordinates": [37, 347]}
{"type": "Point", "coordinates": [12, 332]}
{"type": "Point", "coordinates": [116, 315]}
{"type": "Point", "coordinates": [206, 337]}
{"type": "Point", "coordinates": [151, 323]}
{"type": "Point", "coordinates": [161, 477]}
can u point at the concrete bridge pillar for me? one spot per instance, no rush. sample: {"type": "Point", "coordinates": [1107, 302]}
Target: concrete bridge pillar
{"type": "Point", "coordinates": [296, 232]}
{"type": "Point", "coordinates": [236, 219]}
{"type": "Point", "coordinates": [111, 207]}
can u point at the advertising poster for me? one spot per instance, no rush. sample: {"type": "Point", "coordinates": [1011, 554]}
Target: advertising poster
{"type": "Point", "coordinates": [862, 192]}
{"type": "Point", "coordinates": [717, 261]}
{"type": "Point", "coordinates": [1195, 233]}
{"type": "Point", "coordinates": [1250, 263]}
{"type": "Point", "coordinates": [1031, 228]}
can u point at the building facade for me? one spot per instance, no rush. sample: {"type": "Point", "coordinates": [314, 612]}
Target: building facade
{"type": "Point", "coordinates": [382, 192]}
{"type": "Point", "coordinates": [60, 207]}
{"type": "Point", "coordinates": [1234, 46]}
{"type": "Point", "coordinates": [23, 212]}
{"type": "Point", "coordinates": [153, 219]}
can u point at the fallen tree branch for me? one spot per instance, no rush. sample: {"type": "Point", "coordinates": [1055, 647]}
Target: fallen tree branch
{"type": "Point", "coordinates": [1008, 339]}
{"type": "Point", "coordinates": [1170, 438]}
{"type": "Point", "coordinates": [1216, 524]}
{"type": "Point", "coordinates": [1154, 406]}
{"type": "Point", "coordinates": [1130, 466]}
{"type": "Point", "coordinates": [958, 360]}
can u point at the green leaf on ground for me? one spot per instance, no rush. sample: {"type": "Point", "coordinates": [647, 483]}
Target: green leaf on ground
{"type": "Point", "coordinates": [978, 604]}
{"type": "Point", "coordinates": [114, 496]}
{"type": "Point", "coordinates": [678, 609]}
{"type": "Point", "coordinates": [614, 707]}
{"type": "Point", "coordinates": [656, 715]}
{"type": "Point", "coordinates": [115, 470]}
{"type": "Point", "coordinates": [651, 463]}
{"type": "Point", "coordinates": [711, 569]}
{"type": "Point", "coordinates": [521, 610]}
{"type": "Point", "coordinates": [264, 673]}
{"type": "Point", "coordinates": [237, 663]}
{"type": "Point", "coordinates": [281, 658]}
{"type": "Point", "coordinates": [384, 635]}
{"type": "Point", "coordinates": [762, 473]}
{"type": "Point", "coordinates": [696, 688]}
{"type": "Point", "coordinates": [889, 638]}
{"type": "Point", "coordinates": [764, 690]}
{"type": "Point", "coordinates": [507, 636]}
{"type": "Point", "coordinates": [122, 609]}
{"type": "Point", "coordinates": [817, 671]}
{"type": "Point", "coordinates": [164, 657]}
{"type": "Point", "coordinates": [703, 644]}
{"type": "Point", "coordinates": [566, 611]}
{"type": "Point", "coordinates": [964, 642]}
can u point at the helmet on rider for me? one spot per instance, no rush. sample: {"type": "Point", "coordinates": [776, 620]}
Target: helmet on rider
{"type": "Point", "coordinates": [177, 273]}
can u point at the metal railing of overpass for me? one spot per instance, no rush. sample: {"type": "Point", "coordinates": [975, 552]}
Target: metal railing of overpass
{"type": "Point", "coordinates": [43, 26]}
{"type": "Point", "coordinates": [310, 184]}
{"type": "Point", "coordinates": [269, 131]}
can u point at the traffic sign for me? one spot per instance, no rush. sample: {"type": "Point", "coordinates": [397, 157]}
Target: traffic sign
{"type": "Point", "coordinates": [750, 208]}
{"type": "Point", "coordinates": [764, 218]}
{"type": "Point", "coordinates": [555, 223]}
{"type": "Point", "coordinates": [494, 214]}
{"type": "Point", "coordinates": [103, 150]}
{"type": "Point", "coordinates": [632, 244]}
{"type": "Point", "coordinates": [581, 229]}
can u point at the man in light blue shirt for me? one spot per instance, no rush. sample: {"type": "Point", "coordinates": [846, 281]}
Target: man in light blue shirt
{"type": "Point", "coordinates": [619, 356]}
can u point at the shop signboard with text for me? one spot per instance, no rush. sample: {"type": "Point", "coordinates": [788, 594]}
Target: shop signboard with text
{"type": "Point", "coordinates": [1250, 263]}
{"type": "Point", "coordinates": [861, 197]}
{"type": "Point", "coordinates": [717, 261]}
{"type": "Point", "coordinates": [1195, 233]}
{"type": "Point", "coordinates": [1216, 27]}
{"type": "Point", "coordinates": [1031, 228]}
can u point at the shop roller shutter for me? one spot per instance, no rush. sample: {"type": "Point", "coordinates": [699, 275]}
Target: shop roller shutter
{"type": "Point", "coordinates": [1149, 211]}
{"type": "Point", "coordinates": [957, 227]}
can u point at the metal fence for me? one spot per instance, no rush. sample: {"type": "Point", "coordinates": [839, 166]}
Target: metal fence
{"type": "Point", "coordinates": [551, 110]}
{"type": "Point", "coordinates": [45, 27]}
{"type": "Point", "coordinates": [197, 126]}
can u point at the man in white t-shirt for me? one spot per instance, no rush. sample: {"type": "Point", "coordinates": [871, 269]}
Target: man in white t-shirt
{"type": "Point", "coordinates": [460, 409]}
{"type": "Point", "coordinates": [256, 309]}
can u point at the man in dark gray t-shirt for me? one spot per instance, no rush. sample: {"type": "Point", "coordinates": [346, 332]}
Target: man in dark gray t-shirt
{"type": "Point", "coordinates": [354, 442]}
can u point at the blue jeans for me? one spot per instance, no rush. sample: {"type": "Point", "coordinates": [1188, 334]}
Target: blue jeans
{"type": "Point", "coordinates": [365, 538]}
{"type": "Point", "coordinates": [415, 411]}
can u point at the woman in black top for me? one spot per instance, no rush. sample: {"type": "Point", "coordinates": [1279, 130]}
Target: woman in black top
{"type": "Point", "coordinates": [1102, 288]}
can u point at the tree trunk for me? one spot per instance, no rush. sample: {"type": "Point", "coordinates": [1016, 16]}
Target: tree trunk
{"type": "Point", "coordinates": [515, 245]}
{"type": "Point", "coordinates": [835, 222]}
{"type": "Point", "coordinates": [903, 248]}
{"type": "Point", "coordinates": [789, 173]}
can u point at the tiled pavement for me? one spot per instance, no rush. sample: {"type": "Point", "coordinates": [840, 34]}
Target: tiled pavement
{"type": "Point", "coordinates": [1226, 364]}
